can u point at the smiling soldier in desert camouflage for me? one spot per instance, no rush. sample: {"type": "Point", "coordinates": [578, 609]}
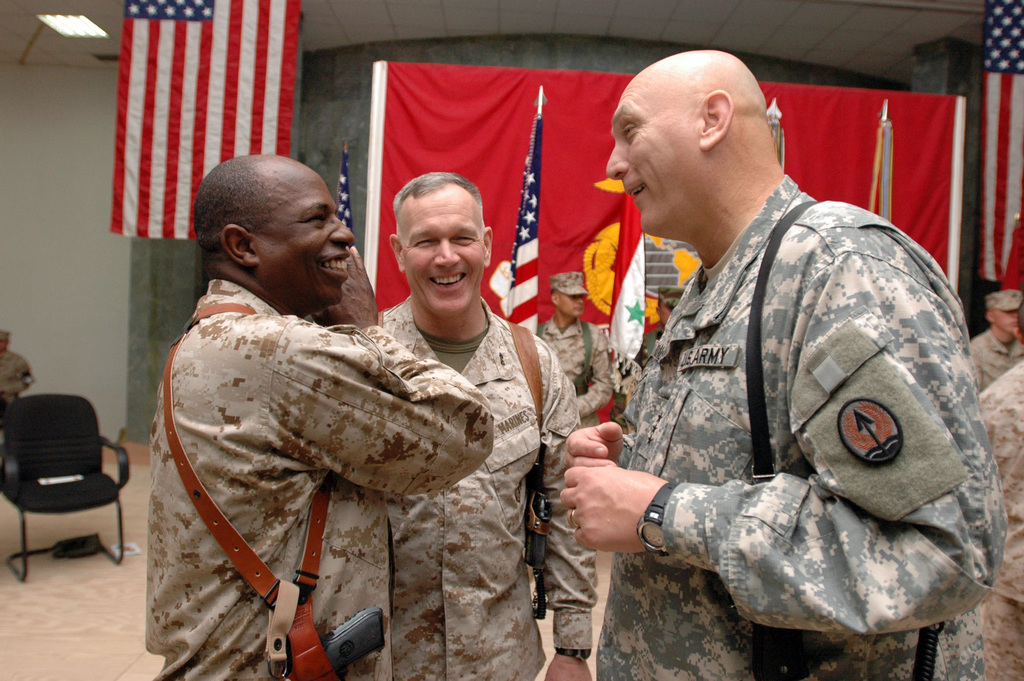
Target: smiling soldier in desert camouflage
{"type": "Point", "coordinates": [269, 407]}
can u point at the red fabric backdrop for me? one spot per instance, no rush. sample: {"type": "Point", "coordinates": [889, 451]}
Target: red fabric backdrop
{"type": "Point", "coordinates": [830, 152]}
{"type": "Point", "coordinates": [476, 121]}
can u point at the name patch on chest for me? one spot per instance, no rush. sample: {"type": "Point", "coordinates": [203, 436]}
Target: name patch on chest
{"type": "Point", "coordinates": [716, 356]}
{"type": "Point", "coordinates": [514, 422]}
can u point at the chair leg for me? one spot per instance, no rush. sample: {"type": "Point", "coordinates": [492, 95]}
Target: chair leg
{"type": "Point", "coordinates": [23, 554]}
{"type": "Point", "coordinates": [119, 554]}
{"type": "Point", "coordinates": [23, 572]}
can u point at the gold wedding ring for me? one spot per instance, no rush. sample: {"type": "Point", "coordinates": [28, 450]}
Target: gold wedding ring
{"type": "Point", "coordinates": [572, 521]}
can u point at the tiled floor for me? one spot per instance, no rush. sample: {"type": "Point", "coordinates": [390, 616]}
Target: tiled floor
{"type": "Point", "coordinates": [82, 619]}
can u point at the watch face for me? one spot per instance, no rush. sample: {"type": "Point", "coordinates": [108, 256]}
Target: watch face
{"type": "Point", "coordinates": [652, 534]}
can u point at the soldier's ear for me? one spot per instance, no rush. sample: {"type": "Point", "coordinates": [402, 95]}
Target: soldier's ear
{"type": "Point", "coordinates": [718, 110]}
{"type": "Point", "coordinates": [237, 243]}
{"type": "Point", "coordinates": [399, 250]}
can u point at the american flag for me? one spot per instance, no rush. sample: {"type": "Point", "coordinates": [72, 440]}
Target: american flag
{"type": "Point", "coordinates": [198, 83]}
{"type": "Point", "coordinates": [521, 305]}
{"type": "Point", "coordinates": [1002, 130]}
{"type": "Point", "coordinates": [344, 206]}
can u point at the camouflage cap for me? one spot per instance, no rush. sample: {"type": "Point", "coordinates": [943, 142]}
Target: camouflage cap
{"type": "Point", "coordinates": [5, 335]}
{"type": "Point", "coordinates": [1008, 300]}
{"type": "Point", "coordinates": [670, 295]}
{"type": "Point", "coordinates": [569, 283]}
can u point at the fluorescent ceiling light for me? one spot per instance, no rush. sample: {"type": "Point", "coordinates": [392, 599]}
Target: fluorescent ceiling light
{"type": "Point", "coordinates": [72, 26]}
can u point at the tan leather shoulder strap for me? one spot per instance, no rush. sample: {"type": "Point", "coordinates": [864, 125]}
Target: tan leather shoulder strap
{"type": "Point", "coordinates": [526, 348]}
{"type": "Point", "coordinates": [251, 567]}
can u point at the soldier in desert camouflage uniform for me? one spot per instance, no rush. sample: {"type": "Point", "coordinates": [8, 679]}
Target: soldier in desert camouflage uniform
{"type": "Point", "coordinates": [1002, 613]}
{"type": "Point", "coordinates": [269, 406]}
{"type": "Point", "coordinates": [997, 349]}
{"type": "Point", "coordinates": [858, 321]}
{"type": "Point", "coordinates": [591, 373]}
{"type": "Point", "coordinates": [15, 374]}
{"type": "Point", "coordinates": [462, 592]}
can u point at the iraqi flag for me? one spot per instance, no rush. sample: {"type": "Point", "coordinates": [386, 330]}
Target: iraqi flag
{"type": "Point", "coordinates": [627, 325]}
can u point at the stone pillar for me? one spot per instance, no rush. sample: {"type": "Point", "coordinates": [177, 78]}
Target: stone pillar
{"type": "Point", "coordinates": [166, 282]}
{"type": "Point", "coordinates": [954, 67]}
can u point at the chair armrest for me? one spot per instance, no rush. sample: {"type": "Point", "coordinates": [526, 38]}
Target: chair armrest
{"type": "Point", "coordinates": [11, 483]}
{"type": "Point", "coordinates": [122, 461]}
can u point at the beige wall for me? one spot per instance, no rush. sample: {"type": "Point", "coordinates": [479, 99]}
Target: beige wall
{"type": "Point", "coordinates": [63, 277]}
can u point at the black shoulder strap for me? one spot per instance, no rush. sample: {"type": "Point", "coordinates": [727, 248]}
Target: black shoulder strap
{"type": "Point", "coordinates": [776, 654]}
{"type": "Point", "coordinates": [588, 346]}
{"type": "Point", "coordinates": [764, 464]}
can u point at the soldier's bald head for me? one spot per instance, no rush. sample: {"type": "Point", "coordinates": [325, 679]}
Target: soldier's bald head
{"type": "Point", "coordinates": [693, 75]}
{"type": "Point", "coordinates": [694, 148]}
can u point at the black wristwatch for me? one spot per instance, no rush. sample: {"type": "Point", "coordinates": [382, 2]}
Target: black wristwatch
{"type": "Point", "coordinates": [649, 527]}
{"type": "Point", "coordinates": [582, 653]}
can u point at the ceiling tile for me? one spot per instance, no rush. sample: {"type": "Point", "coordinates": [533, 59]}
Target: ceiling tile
{"type": "Point", "coordinates": [928, 26]}
{"type": "Point", "coordinates": [316, 7]}
{"type": "Point", "coordinates": [791, 40]}
{"type": "Point", "coordinates": [774, 12]}
{"type": "Point", "coordinates": [740, 37]}
{"type": "Point", "coordinates": [475, 20]}
{"type": "Point", "coordinates": [819, 15]}
{"type": "Point", "coordinates": [510, 21]}
{"type": "Point", "coordinates": [705, 12]}
{"type": "Point", "coordinates": [602, 7]}
{"type": "Point", "coordinates": [406, 14]}
{"type": "Point", "coordinates": [690, 32]}
{"type": "Point", "coordinates": [635, 27]}
{"type": "Point", "coordinates": [363, 12]}
{"type": "Point", "coordinates": [645, 9]}
{"type": "Point", "coordinates": [587, 24]}
{"type": "Point", "coordinates": [851, 40]}
{"type": "Point", "coordinates": [875, 18]}
{"type": "Point", "coordinates": [483, 4]}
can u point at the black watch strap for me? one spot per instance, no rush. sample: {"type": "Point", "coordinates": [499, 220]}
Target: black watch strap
{"type": "Point", "coordinates": [656, 510]}
{"type": "Point", "coordinates": [582, 653]}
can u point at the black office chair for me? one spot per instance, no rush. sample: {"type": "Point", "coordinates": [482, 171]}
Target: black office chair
{"type": "Point", "coordinates": [53, 463]}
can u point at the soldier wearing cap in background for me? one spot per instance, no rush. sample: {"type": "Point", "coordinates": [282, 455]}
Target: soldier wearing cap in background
{"type": "Point", "coordinates": [997, 349]}
{"type": "Point", "coordinates": [582, 347]}
{"type": "Point", "coordinates": [15, 374]}
{"type": "Point", "coordinates": [668, 297]}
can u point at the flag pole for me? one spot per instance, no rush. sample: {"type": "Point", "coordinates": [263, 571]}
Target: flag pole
{"type": "Point", "coordinates": [775, 123]}
{"type": "Point", "coordinates": [375, 169]}
{"type": "Point", "coordinates": [881, 179]}
{"type": "Point", "coordinates": [520, 306]}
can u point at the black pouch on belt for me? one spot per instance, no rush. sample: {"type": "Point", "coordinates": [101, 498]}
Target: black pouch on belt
{"type": "Point", "coordinates": [778, 654]}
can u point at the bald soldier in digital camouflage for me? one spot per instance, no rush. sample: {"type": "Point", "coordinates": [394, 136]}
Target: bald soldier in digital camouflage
{"type": "Point", "coordinates": [863, 344]}
{"type": "Point", "coordinates": [269, 407]}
